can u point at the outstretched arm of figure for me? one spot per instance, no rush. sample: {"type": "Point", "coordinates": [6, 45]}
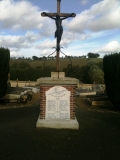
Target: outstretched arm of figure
{"type": "Point", "coordinates": [48, 15]}
{"type": "Point", "coordinates": [71, 15]}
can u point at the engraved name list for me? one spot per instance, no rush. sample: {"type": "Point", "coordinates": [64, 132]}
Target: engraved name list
{"type": "Point", "coordinates": [57, 103]}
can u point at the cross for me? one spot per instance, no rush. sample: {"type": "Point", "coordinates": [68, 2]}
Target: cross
{"type": "Point", "coordinates": [58, 17]}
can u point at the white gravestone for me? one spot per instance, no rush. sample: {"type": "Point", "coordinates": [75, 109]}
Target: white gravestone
{"type": "Point", "coordinates": [57, 103]}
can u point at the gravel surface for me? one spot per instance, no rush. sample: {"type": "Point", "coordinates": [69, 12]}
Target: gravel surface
{"type": "Point", "coordinates": [97, 139]}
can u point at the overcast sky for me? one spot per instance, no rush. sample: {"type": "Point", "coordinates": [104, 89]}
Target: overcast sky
{"type": "Point", "coordinates": [96, 27]}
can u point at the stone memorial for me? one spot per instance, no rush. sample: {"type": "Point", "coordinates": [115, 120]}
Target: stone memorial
{"type": "Point", "coordinates": [57, 103]}
{"type": "Point", "coordinates": [57, 93]}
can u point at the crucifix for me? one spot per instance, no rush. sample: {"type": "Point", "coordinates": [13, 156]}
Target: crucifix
{"type": "Point", "coordinates": [58, 17]}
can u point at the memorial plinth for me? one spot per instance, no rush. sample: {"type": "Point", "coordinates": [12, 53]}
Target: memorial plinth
{"type": "Point", "coordinates": [57, 103]}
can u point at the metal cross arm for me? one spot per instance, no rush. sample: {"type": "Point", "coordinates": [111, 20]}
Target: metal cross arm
{"type": "Point", "coordinates": [60, 14]}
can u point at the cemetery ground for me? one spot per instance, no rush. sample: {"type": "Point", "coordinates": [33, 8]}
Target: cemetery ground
{"type": "Point", "coordinates": [98, 137]}
{"type": "Point", "coordinates": [9, 105]}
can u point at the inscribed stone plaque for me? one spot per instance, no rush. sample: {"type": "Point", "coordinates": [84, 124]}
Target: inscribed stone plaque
{"type": "Point", "coordinates": [57, 103]}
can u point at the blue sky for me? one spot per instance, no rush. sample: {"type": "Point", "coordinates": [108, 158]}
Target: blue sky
{"type": "Point", "coordinates": [96, 27]}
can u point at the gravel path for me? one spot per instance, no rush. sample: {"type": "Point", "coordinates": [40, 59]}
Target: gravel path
{"type": "Point", "coordinates": [97, 139]}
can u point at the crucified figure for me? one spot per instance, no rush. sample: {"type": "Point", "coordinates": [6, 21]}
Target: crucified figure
{"type": "Point", "coordinates": [59, 28]}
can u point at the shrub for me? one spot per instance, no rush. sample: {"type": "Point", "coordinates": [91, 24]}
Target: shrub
{"type": "Point", "coordinates": [111, 67]}
{"type": "Point", "coordinates": [4, 70]}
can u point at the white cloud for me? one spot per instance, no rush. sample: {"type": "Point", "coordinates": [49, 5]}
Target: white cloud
{"type": "Point", "coordinates": [24, 16]}
{"type": "Point", "coordinates": [104, 15]}
{"type": "Point", "coordinates": [111, 47]}
{"type": "Point", "coordinates": [14, 54]}
{"type": "Point", "coordinates": [47, 43]}
{"type": "Point", "coordinates": [25, 41]}
{"type": "Point", "coordinates": [47, 52]}
{"type": "Point", "coordinates": [84, 2]}
{"type": "Point", "coordinates": [67, 38]}
{"type": "Point", "coordinates": [20, 15]}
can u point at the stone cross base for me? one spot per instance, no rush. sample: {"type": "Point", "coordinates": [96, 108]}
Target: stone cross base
{"type": "Point", "coordinates": [57, 124]}
{"type": "Point", "coordinates": [57, 103]}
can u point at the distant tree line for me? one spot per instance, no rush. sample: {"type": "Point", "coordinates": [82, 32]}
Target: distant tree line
{"type": "Point", "coordinates": [89, 73]}
{"type": "Point", "coordinates": [93, 55]}
{"type": "Point", "coordinates": [90, 55]}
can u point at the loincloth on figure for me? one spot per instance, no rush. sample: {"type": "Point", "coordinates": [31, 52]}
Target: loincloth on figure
{"type": "Point", "coordinates": [59, 32]}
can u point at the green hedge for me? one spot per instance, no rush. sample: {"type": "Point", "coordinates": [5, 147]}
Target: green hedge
{"type": "Point", "coordinates": [4, 70]}
{"type": "Point", "coordinates": [24, 72]}
{"type": "Point", "coordinates": [111, 67]}
{"type": "Point", "coordinates": [30, 73]}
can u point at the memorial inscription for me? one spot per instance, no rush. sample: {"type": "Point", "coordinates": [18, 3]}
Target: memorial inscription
{"type": "Point", "coordinates": [57, 103]}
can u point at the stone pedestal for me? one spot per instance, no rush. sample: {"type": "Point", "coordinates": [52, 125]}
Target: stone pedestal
{"type": "Point", "coordinates": [57, 103]}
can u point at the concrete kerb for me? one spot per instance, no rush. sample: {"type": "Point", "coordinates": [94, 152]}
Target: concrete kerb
{"type": "Point", "coordinates": [97, 109]}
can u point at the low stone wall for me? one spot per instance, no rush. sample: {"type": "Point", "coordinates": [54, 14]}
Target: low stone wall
{"type": "Point", "coordinates": [22, 83]}
{"type": "Point", "coordinates": [33, 83]}
{"type": "Point", "coordinates": [92, 87]}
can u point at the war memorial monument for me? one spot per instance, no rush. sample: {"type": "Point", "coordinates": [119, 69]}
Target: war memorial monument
{"type": "Point", "coordinates": [57, 93]}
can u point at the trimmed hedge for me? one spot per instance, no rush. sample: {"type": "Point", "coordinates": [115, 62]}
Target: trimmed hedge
{"type": "Point", "coordinates": [4, 70]}
{"type": "Point", "coordinates": [111, 67]}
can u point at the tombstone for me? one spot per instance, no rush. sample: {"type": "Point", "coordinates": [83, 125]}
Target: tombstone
{"type": "Point", "coordinates": [17, 83]}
